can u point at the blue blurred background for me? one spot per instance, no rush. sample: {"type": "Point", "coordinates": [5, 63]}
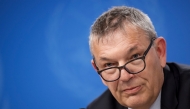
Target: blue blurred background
{"type": "Point", "coordinates": [44, 52]}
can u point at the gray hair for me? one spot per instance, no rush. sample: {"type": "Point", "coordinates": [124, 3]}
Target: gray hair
{"type": "Point", "coordinates": [116, 18]}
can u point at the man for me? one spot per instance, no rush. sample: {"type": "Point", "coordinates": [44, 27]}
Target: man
{"type": "Point", "coordinates": [131, 61]}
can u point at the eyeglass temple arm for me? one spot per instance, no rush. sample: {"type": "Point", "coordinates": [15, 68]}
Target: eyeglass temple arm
{"type": "Point", "coordinates": [145, 53]}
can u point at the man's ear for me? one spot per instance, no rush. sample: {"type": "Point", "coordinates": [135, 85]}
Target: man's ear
{"type": "Point", "coordinates": [161, 50]}
{"type": "Point", "coordinates": [94, 66]}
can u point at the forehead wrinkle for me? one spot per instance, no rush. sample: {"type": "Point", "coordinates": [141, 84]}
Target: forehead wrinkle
{"type": "Point", "coordinates": [127, 52]}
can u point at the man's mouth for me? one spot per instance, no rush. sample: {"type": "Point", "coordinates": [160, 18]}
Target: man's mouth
{"type": "Point", "coordinates": [132, 90]}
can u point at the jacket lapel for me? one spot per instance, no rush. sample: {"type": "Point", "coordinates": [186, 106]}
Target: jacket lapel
{"type": "Point", "coordinates": [169, 90]}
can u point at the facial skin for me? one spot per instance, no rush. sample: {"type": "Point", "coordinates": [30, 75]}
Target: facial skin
{"type": "Point", "coordinates": [137, 91]}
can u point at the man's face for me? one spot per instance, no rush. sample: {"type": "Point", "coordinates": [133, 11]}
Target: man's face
{"type": "Point", "coordinates": [132, 90]}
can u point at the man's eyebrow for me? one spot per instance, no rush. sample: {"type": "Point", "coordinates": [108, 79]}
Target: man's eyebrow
{"type": "Point", "coordinates": [130, 50]}
{"type": "Point", "coordinates": [104, 59]}
{"type": "Point", "coordinates": [133, 48]}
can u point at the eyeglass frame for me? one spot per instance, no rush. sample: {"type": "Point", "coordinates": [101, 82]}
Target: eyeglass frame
{"type": "Point", "coordinates": [123, 66]}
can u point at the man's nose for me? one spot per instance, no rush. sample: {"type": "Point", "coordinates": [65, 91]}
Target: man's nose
{"type": "Point", "coordinates": [125, 75]}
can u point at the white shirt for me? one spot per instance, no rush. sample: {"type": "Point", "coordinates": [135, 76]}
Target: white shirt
{"type": "Point", "coordinates": [156, 104]}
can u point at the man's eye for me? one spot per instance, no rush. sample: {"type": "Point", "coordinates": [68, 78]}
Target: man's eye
{"type": "Point", "coordinates": [135, 56]}
{"type": "Point", "coordinates": [109, 65]}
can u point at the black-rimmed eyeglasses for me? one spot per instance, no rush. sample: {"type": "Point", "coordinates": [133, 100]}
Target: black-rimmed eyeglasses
{"type": "Point", "coordinates": [133, 66]}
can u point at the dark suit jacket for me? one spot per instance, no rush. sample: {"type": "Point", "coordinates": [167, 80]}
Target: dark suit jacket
{"type": "Point", "coordinates": [175, 90]}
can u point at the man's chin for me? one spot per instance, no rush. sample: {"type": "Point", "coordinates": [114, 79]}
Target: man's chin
{"type": "Point", "coordinates": [134, 101]}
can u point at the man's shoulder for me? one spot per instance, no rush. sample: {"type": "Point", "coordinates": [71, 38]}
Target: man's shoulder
{"type": "Point", "coordinates": [102, 101]}
{"type": "Point", "coordinates": [182, 69]}
{"type": "Point", "coordinates": [105, 101]}
{"type": "Point", "coordinates": [183, 84]}
{"type": "Point", "coordinates": [181, 73]}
